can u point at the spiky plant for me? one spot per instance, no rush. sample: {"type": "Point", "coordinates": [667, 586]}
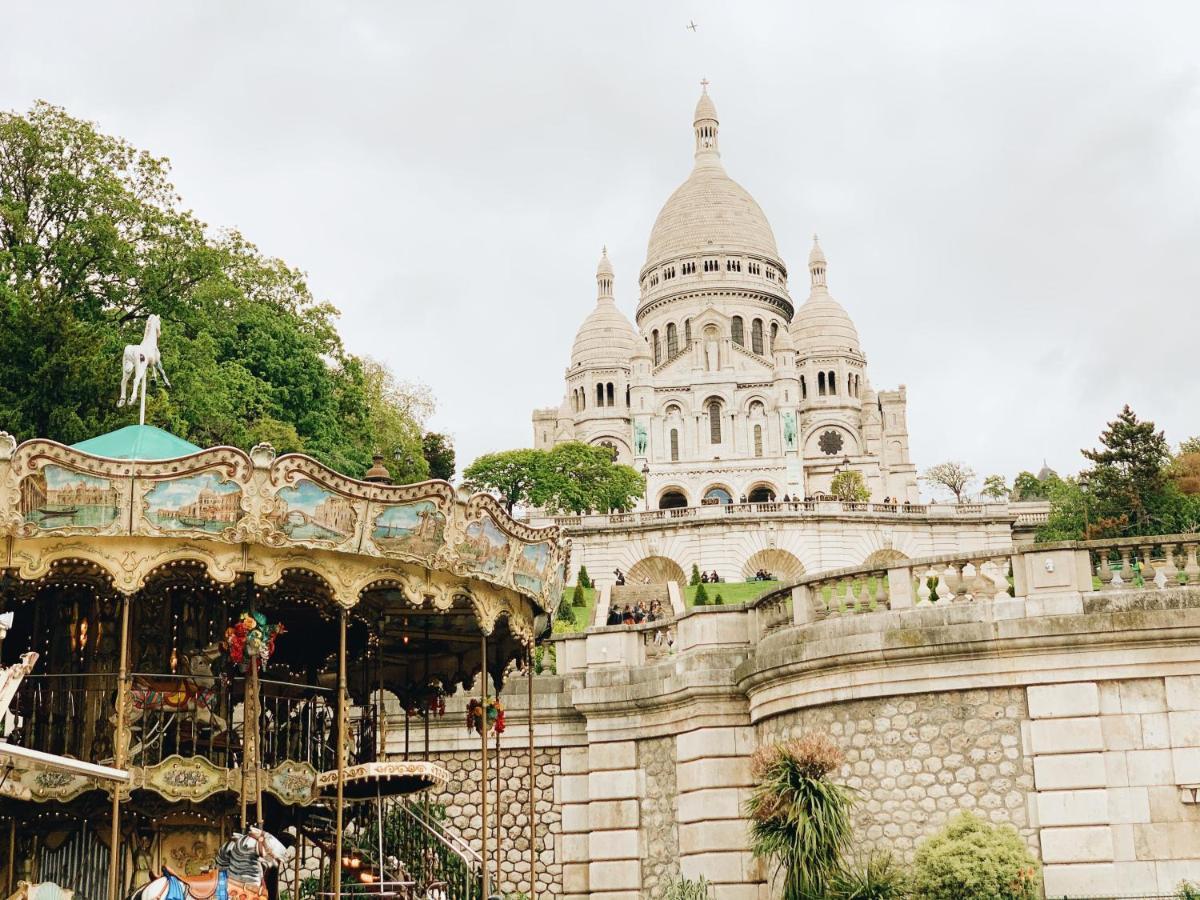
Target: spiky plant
{"type": "Point", "coordinates": [800, 819]}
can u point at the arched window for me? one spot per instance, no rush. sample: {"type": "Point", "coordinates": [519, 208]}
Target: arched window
{"type": "Point", "coordinates": [831, 380]}
{"type": "Point", "coordinates": [672, 499]}
{"type": "Point", "coordinates": [714, 421]}
{"type": "Point", "coordinates": [739, 336]}
{"type": "Point", "coordinates": [774, 332]}
{"type": "Point", "coordinates": [626, 396]}
{"type": "Point", "coordinates": [582, 399]}
{"type": "Point", "coordinates": [756, 408]}
{"type": "Point", "coordinates": [756, 337]}
{"type": "Point", "coordinates": [758, 451]}
{"type": "Point", "coordinates": [803, 388]}
{"type": "Point", "coordinates": [674, 445]}
{"type": "Point", "coordinates": [654, 341]}
{"type": "Point", "coordinates": [821, 384]}
{"type": "Point", "coordinates": [672, 340]}
{"type": "Point", "coordinates": [687, 331]}
{"type": "Point", "coordinates": [715, 495]}
{"type": "Point", "coordinates": [599, 395]}
{"type": "Point", "coordinates": [761, 494]}
{"type": "Point", "coordinates": [609, 391]}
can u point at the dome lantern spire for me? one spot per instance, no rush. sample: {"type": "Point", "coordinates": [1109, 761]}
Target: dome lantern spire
{"type": "Point", "coordinates": [604, 277]}
{"type": "Point", "coordinates": [705, 124]}
{"type": "Point", "coordinates": [816, 264]}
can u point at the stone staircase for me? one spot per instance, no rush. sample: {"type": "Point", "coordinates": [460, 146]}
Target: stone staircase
{"type": "Point", "coordinates": [631, 595]}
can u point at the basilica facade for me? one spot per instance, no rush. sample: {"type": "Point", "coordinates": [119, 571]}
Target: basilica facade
{"type": "Point", "coordinates": [725, 391]}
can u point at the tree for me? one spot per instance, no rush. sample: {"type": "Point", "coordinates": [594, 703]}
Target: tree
{"type": "Point", "coordinates": [1191, 445]}
{"type": "Point", "coordinates": [579, 477]}
{"type": "Point", "coordinates": [799, 818]}
{"type": "Point", "coordinates": [956, 477]}
{"type": "Point", "coordinates": [695, 579]}
{"type": "Point", "coordinates": [996, 487]}
{"type": "Point", "coordinates": [850, 487]}
{"type": "Point", "coordinates": [93, 239]}
{"type": "Point", "coordinates": [438, 450]}
{"type": "Point", "coordinates": [577, 596]}
{"type": "Point", "coordinates": [395, 411]}
{"type": "Point", "coordinates": [1027, 486]}
{"type": "Point", "coordinates": [1128, 476]}
{"type": "Point", "coordinates": [1185, 473]}
{"type": "Point", "coordinates": [701, 598]}
{"type": "Point", "coordinates": [512, 475]}
{"type": "Point", "coordinates": [566, 613]}
{"type": "Point", "coordinates": [970, 857]}
{"type": "Point", "coordinates": [584, 579]}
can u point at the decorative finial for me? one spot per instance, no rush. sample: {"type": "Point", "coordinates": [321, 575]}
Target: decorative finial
{"type": "Point", "coordinates": [704, 83]}
{"type": "Point", "coordinates": [138, 359]}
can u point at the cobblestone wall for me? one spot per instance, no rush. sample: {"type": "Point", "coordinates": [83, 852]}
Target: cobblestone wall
{"type": "Point", "coordinates": [660, 833]}
{"type": "Point", "coordinates": [916, 760]}
{"type": "Point", "coordinates": [461, 799]}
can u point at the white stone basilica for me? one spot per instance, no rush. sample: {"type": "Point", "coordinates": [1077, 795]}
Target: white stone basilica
{"type": "Point", "coordinates": [725, 392]}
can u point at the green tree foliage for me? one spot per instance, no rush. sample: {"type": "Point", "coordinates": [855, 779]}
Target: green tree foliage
{"type": "Point", "coordinates": [800, 818]}
{"type": "Point", "coordinates": [850, 487]}
{"type": "Point", "coordinates": [701, 598]}
{"type": "Point", "coordinates": [1027, 486]}
{"type": "Point", "coordinates": [438, 451]}
{"type": "Point", "coordinates": [93, 239]}
{"type": "Point", "coordinates": [1128, 475]}
{"type": "Point", "coordinates": [572, 477]}
{"type": "Point", "coordinates": [695, 579]}
{"type": "Point", "coordinates": [995, 487]}
{"type": "Point", "coordinates": [585, 580]}
{"type": "Point", "coordinates": [973, 858]}
{"type": "Point", "coordinates": [566, 612]}
{"type": "Point", "coordinates": [577, 596]}
{"type": "Point", "coordinates": [956, 477]}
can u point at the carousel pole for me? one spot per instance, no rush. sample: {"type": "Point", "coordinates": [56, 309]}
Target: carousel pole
{"type": "Point", "coordinates": [381, 716]}
{"type": "Point", "coordinates": [341, 757]}
{"type": "Point", "coordinates": [9, 884]}
{"type": "Point", "coordinates": [483, 763]}
{"type": "Point", "coordinates": [296, 857]}
{"type": "Point", "coordinates": [532, 785]}
{"type": "Point", "coordinates": [496, 805]}
{"type": "Point", "coordinates": [114, 859]}
{"type": "Point", "coordinates": [255, 720]}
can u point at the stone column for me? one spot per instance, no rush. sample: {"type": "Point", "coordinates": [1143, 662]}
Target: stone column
{"type": "Point", "coordinates": [713, 778]}
{"type": "Point", "coordinates": [571, 792]}
{"type": "Point", "coordinates": [615, 786]}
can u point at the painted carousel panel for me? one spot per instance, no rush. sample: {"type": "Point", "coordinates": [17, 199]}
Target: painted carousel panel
{"type": "Point", "coordinates": [414, 529]}
{"type": "Point", "coordinates": [205, 502]}
{"type": "Point", "coordinates": [309, 512]}
{"type": "Point", "coordinates": [188, 778]}
{"type": "Point", "coordinates": [534, 567]}
{"type": "Point", "coordinates": [484, 547]}
{"type": "Point", "coordinates": [56, 497]}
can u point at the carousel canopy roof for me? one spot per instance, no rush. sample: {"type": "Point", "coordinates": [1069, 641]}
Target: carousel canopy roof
{"type": "Point", "coordinates": [137, 442]}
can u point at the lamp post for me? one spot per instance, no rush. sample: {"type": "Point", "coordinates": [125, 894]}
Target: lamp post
{"type": "Point", "coordinates": [1084, 483]}
{"type": "Point", "coordinates": [646, 495]}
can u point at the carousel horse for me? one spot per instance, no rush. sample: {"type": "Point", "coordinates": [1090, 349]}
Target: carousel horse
{"type": "Point", "coordinates": [140, 357]}
{"type": "Point", "coordinates": [247, 868]}
{"type": "Point", "coordinates": [194, 695]}
{"type": "Point", "coordinates": [44, 890]}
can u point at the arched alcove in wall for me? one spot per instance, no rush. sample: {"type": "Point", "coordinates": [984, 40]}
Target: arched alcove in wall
{"type": "Point", "coordinates": [780, 564]}
{"type": "Point", "coordinates": [672, 498]}
{"type": "Point", "coordinates": [656, 570]}
{"type": "Point", "coordinates": [883, 557]}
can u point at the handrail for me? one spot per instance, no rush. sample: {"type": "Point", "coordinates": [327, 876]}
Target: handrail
{"type": "Point", "coordinates": [451, 841]}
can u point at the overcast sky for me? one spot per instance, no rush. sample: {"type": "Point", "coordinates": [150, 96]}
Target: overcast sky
{"type": "Point", "coordinates": [1009, 196]}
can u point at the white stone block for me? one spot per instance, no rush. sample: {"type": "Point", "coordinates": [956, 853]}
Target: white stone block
{"type": "Point", "coordinates": [1069, 770]}
{"type": "Point", "coordinates": [574, 848]}
{"type": "Point", "coordinates": [721, 868]}
{"type": "Point", "coordinates": [1143, 695]}
{"type": "Point", "coordinates": [613, 755]}
{"type": "Point", "coordinates": [1147, 767]}
{"type": "Point", "coordinates": [1072, 807]}
{"type": "Point", "coordinates": [574, 818]}
{"type": "Point", "coordinates": [1091, 843]}
{"type": "Point", "coordinates": [1167, 840]}
{"type": "Point", "coordinates": [1156, 735]}
{"type": "Point", "coordinates": [1060, 701]}
{"type": "Point", "coordinates": [1183, 692]}
{"type": "Point", "coordinates": [611, 815]}
{"type": "Point", "coordinates": [614, 845]}
{"type": "Point", "coordinates": [1066, 735]}
{"type": "Point", "coordinates": [620, 785]}
{"type": "Point", "coordinates": [1171, 872]}
{"type": "Point", "coordinates": [1122, 732]}
{"type": "Point", "coordinates": [718, 836]}
{"type": "Point", "coordinates": [712, 804]}
{"type": "Point", "coordinates": [1185, 766]}
{"type": "Point", "coordinates": [713, 742]}
{"type": "Point", "coordinates": [709, 773]}
{"type": "Point", "coordinates": [1185, 729]}
{"type": "Point", "coordinates": [625, 875]}
{"type": "Point", "coordinates": [574, 761]}
{"type": "Point", "coordinates": [1116, 772]}
{"type": "Point", "coordinates": [1123, 844]}
{"type": "Point", "coordinates": [740, 892]}
{"type": "Point", "coordinates": [1081, 880]}
{"type": "Point", "coordinates": [571, 788]}
{"type": "Point", "coordinates": [1110, 698]}
{"type": "Point", "coordinates": [1128, 805]}
{"type": "Point", "coordinates": [575, 879]}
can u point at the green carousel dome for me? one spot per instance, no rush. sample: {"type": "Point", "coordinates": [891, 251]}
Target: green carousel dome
{"type": "Point", "coordinates": [143, 442]}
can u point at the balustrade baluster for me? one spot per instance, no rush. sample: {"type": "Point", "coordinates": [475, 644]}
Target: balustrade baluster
{"type": "Point", "coordinates": [1125, 575]}
{"type": "Point", "coordinates": [945, 593]}
{"type": "Point", "coordinates": [881, 590]}
{"type": "Point", "coordinates": [864, 598]}
{"type": "Point", "coordinates": [1169, 570]}
{"type": "Point", "coordinates": [1148, 576]}
{"type": "Point", "coordinates": [978, 587]}
{"type": "Point", "coordinates": [924, 592]}
{"type": "Point", "coordinates": [1192, 567]}
{"type": "Point", "coordinates": [1103, 571]}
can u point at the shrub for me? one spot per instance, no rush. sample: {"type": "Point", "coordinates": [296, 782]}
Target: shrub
{"type": "Point", "coordinates": [1187, 890]}
{"type": "Point", "coordinates": [799, 818]}
{"type": "Point", "coordinates": [701, 598]}
{"type": "Point", "coordinates": [695, 579]}
{"type": "Point", "coordinates": [973, 858]}
{"type": "Point", "coordinates": [879, 878]}
{"type": "Point", "coordinates": [566, 613]}
{"type": "Point", "coordinates": [577, 596]}
{"type": "Point", "coordinates": [584, 579]}
{"type": "Point", "coordinates": [718, 600]}
{"type": "Point", "coordinates": [686, 889]}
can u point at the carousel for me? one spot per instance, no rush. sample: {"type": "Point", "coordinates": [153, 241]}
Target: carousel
{"type": "Point", "coordinates": [250, 642]}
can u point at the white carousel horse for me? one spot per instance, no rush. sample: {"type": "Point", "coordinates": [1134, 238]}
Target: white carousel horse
{"type": "Point", "coordinates": [140, 357]}
{"type": "Point", "coordinates": [247, 868]}
{"type": "Point", "coordinates": [44, 890]}
{"type": "Point", "coordinates": [10, 680]}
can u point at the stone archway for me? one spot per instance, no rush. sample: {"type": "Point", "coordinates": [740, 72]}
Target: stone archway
{"type": "Point", "coordinates": [656, 570]}
{"type": "Point", "coordinates": [883, 557]}
{"type": "Point", "coordinates": [782, 565]}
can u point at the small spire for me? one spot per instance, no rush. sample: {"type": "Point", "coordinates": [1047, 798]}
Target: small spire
{"type": "Point", "coordinates": [816, 264]}
{"type": "Point", "coordinates": [705, 124]}
{"type": "Point", "coordinates": [604, 276]}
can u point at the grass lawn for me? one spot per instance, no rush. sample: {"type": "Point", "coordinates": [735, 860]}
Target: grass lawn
{"type": "Point", "coordinates": [730, 591]}
{"type": "Point", "coordinates": [583, 614]}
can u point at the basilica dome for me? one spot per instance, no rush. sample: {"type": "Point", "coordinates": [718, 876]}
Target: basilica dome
{"type": "Point", "coordinates": [709, 211]}
{"type": "Point", "coordinates": [821, 324]}
{"type": "Point", "coordinates": [606, 337]}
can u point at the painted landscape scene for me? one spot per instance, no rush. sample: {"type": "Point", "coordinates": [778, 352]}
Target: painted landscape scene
{"type": "Point", "coordinates": [485, 547]}
{"type": "Point", "coordinates": [61, 498]}
{"type": "Point", "coordinates": [203, 502]}
{"type": "Point", "coordinates": [312, 513]}
{"type": "Point", "coordinates": [415, 528]}
{"type": "Point", "coordinates": [531, 569]}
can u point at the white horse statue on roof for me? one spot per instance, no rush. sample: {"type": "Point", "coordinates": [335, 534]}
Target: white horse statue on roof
{"type": "Point", "coordinates": [138, 359]}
